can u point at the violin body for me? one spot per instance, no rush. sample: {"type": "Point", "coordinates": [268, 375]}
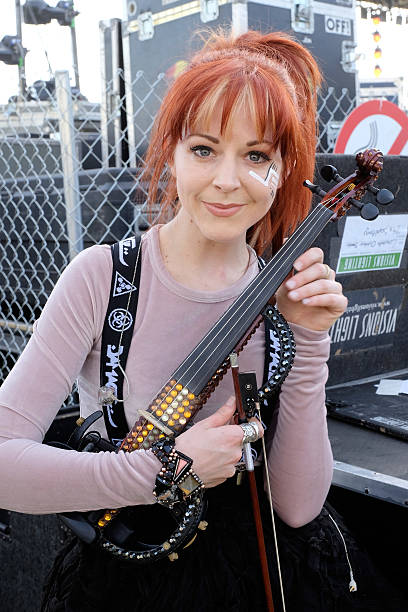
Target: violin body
{"type": "Point", "coordinates": [128, 536]}
{"type": "Point", "coordinates": [125, 533]}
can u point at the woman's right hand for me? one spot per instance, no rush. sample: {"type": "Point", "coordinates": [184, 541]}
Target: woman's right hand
{"type": "Point", "coordinates": [214, 444]}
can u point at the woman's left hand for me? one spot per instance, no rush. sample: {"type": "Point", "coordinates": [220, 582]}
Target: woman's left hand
{"type": "Point", "coordinates": [311, 298]}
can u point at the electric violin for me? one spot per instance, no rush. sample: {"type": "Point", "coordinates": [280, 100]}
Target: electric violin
{"type": "Point", "coordinates": [120, 531]}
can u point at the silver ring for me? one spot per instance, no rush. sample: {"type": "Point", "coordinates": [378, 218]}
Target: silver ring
{"type": "Point", "coordinates": [256, 425]}
{"type": "Point", "coordinates": [251, 432]}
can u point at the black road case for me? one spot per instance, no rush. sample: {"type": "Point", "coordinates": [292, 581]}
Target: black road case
{"type": "Point", "coordinates": [159, 35]}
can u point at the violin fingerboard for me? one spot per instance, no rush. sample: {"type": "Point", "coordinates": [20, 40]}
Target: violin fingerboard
{"type": "Point", "coordinates": [168, 414]}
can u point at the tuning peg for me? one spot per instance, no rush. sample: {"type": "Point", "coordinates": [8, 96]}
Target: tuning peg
{"type": "Point", "coordinates": [329, 173]}
{"type": "Point", "coordinates": [384, 197]}
{"type": "Point", "coordinates": [314, 188]}
{"type": "Point", "coordinates": [368, 211]}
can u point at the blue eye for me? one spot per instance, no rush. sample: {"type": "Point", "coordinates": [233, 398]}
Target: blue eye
{"type": "Point", "coordinates": [258, 157]}
{"type": "Point", "coordinates": [201, 150]}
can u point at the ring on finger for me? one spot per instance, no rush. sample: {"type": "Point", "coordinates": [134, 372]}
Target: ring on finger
{"type": "Point", "coordinates": [256, 425]}
{"type": "Point", "coordinates": [327, 271]}
{"type": "Point", "coordinates": [251, 432]}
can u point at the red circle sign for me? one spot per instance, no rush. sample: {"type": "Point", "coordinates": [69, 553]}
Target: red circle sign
{"type": "Point", "coordinates": [377, 124]}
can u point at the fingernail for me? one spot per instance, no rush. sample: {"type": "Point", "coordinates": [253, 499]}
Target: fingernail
{"type": "Point", "coordinates": [298, 265]}
{"type": "Point", "coordinates": [294, 295]}
{"type": "Point", "coordinates": [305, 300]}
{"type": "Point", "coordinates": [230, 401]}
{"type": "Point", "coordinates": [290, 284]}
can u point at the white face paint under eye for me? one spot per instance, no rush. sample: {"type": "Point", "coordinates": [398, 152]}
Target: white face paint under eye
{"type": "Point", "coordinates": [271, 179]}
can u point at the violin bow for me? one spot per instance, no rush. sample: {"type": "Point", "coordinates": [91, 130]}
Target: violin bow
{"type": "Point", "coordinates": [242, 417]}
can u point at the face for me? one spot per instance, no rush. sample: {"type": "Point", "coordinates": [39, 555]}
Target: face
{"type": "Point", "coordinates": [225, 183]}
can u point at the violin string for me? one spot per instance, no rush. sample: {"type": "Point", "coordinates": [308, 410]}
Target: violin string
{"type": "Point", "coordinates": [256, 283]}
{"type": "Point", "coordinates": [293, 242]}
{"type": "Point", "coordinates": [308, 219]}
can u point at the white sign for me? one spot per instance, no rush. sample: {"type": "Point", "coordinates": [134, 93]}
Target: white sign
{"type": "Point", "coordinates": [372, 245]}
{"type": "Point", "coordinates": [337, 25]}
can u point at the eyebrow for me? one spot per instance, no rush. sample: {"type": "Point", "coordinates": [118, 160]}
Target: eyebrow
{"type": "Point", "coordinates": [211, 138]}
{"type": "Point", "coordinates": [251, 143]}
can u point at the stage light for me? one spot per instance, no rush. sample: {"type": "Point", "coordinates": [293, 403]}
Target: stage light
{"type": "Point", "coordinates": [36, 12]}
{"type": "Point", "coordinates": [377, 71]}
{"type": "Point", "coordinates": [11, 51]}
{"type": "Point", "coordinates": [376, 36]}
{"type": "Point", "coordinates": [377, 53]}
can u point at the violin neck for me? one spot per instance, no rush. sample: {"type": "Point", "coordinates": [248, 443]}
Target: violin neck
{"type": "Point", "coordinates": [179, 400]}
{"type": "Point", "coordinates": [214, 348]}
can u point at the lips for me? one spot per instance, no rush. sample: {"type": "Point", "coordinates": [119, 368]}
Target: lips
{"type": "Point", "coordinates": [222, 210]}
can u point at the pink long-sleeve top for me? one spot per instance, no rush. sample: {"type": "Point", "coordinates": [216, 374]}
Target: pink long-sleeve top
{"type": "Point", "coordinates": [170, 321]}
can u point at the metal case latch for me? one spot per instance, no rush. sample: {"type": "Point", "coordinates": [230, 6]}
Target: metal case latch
{"type": "Point", "coordinates": [146, 27]}
{"type": "Point", "coordinates": [302, 16]}
{"type": "Point", "coordinates": [348, 56]}
{"type": "Point", "coordinates": [209, 10]}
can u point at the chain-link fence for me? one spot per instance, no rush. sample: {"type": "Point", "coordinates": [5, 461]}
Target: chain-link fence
{"type": "Point", "coordinates": [68, 179]}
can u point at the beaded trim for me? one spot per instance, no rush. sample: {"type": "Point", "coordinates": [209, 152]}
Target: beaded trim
{"type": "Point", "coordinates": [191, 520]}
{"type": "Point", "coordinates": [285, 353]}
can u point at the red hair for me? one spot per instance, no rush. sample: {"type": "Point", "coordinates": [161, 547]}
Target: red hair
{"type": "Point", "coordinates": [276, 79]}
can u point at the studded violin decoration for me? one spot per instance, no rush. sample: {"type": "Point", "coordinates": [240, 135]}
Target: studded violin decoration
{"type": "Point", "coordinates": [120, 532]}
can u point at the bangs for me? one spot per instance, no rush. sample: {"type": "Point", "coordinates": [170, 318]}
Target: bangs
{"type": "Point", "coordinates": [255, 92]}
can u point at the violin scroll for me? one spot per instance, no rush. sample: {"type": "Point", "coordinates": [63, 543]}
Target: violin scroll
{"type": "Point", "coordinates": [370, 161]}
{"type": "Point", "coordinates": [349, 191]}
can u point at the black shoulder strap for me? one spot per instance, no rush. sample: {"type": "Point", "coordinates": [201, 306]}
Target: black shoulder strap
{"type": "Point", "coordinates": [118, 330]}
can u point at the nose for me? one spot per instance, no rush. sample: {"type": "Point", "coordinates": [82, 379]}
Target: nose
{"type": "Point", "coordinates": [226, 176]}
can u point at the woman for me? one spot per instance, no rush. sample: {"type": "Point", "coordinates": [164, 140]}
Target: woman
{"type": "Point", "coordinates": [233, 141]}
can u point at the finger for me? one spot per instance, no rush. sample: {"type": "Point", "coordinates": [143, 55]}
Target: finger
{"type": "Point", "coordinates": [319, 287]}
{"type": "Point", "coordinates": [311, 273]}
{"type": "Point", "coordinates": [335, 303]}
{"type": "Point", "coordinates": [309, 257]}
{"type": "Point", "coordinates": [222, 416]}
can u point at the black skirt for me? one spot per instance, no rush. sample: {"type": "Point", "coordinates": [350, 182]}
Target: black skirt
{"type": "Point", "coordinates": [220, 571]}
